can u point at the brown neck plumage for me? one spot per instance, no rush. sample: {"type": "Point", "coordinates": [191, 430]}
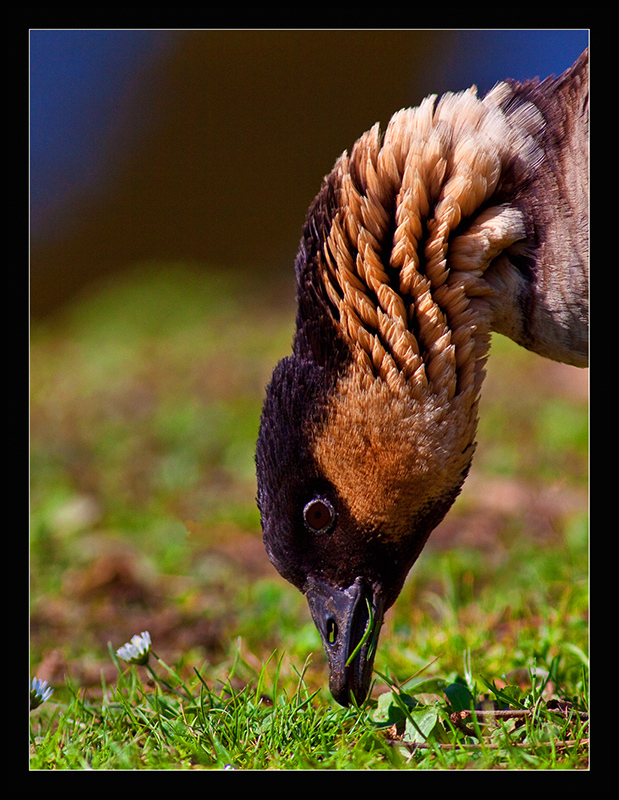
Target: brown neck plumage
{"type": "Point", "coordinates": [402, 265]}
{"type": "Point", "coordinates": [404, 259]}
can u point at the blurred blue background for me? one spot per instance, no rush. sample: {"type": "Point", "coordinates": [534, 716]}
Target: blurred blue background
{"type": "Point", "coordinates": [207, 146]}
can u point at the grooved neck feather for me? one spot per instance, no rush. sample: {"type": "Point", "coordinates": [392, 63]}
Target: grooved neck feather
{"type": "Point", "coordinates": [401, 268]}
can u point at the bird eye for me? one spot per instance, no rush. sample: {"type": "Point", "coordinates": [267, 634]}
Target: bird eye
{"type": "Point", "coordinates": [319, 515]}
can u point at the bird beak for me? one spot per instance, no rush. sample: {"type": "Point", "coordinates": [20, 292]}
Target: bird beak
{"type": "Point", "coordinates": [349, 621]}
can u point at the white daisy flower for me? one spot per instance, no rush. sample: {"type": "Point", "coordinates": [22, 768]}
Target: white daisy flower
{"type": "Point", "coordinates": [137, 650]}
{"type": "Point", "coordinates": [39, 693]}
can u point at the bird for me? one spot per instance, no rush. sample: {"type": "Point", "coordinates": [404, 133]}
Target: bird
{"type": "Point", "coordinates": [468, 215]}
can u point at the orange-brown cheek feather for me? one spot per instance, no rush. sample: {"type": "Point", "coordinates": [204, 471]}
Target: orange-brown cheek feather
{"type": "Point", "coordinates": [389, 458]}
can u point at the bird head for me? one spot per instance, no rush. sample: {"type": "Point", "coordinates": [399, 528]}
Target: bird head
{"type": "Point", "coordinates": [350, 487]}
{"type": "Point", "coordinates": [368, 427]}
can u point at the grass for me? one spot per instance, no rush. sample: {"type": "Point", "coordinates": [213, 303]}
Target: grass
{"type": "Point", "coordinates": [145, 403]}
{"type": "Point", "coordinates": [164, 723]}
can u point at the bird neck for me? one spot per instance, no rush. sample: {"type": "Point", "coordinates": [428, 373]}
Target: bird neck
{"type": "Point", "coordinates": [397, 244]}
{"type": "Point", "coordinates": [411, 230]}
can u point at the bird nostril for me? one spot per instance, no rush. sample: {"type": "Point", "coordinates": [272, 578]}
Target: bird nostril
{"type": "Point", "coordinates": [331, 630]}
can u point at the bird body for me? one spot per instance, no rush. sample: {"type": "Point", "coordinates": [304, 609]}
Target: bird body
{"type": "Point", "coordinates": [466, 217]}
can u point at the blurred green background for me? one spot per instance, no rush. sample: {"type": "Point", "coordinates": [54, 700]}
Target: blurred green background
{"type": "Point", "coordinates": [170, 176]}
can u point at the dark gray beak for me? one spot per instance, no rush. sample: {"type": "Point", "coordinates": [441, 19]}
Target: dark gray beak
{"type": "Point", "coordinates": [347, 618]}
